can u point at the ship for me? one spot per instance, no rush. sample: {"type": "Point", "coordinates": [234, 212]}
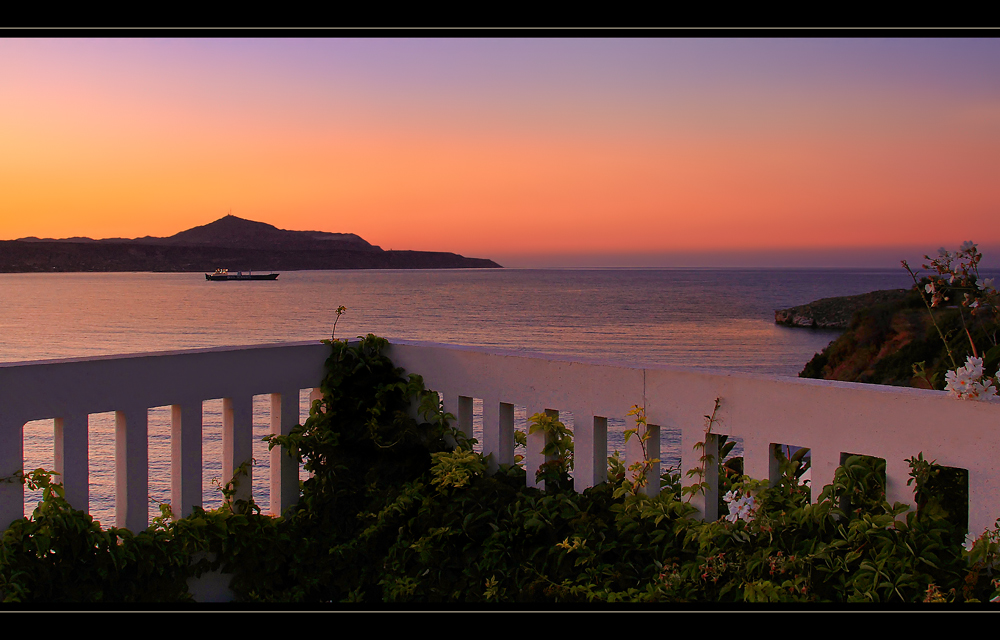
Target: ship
{"type": "Point", "coordinates": [223, 274]}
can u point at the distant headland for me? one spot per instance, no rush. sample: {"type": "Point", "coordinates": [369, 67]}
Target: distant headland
{"type": "Point", "coordinates": [885, 333]}
{"type": "Point", "coordinates": [228, 243]}
{"type": "Point", "coordinates": [835, 313]}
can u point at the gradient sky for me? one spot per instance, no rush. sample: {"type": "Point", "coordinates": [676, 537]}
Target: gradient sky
{"type": "Point", "coordinates": [530, 152]}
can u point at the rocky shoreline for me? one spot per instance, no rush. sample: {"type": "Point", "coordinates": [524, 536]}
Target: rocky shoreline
{"type": "Point", "coordinates": [834, 313]}
{"type": "Point", "coordinates": [883, 335]}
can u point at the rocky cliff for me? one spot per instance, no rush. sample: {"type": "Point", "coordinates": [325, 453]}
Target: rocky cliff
{"type": "Point", "coordinates": [888, 333]}
{"type": "Point", "coordinates": [834, 313]}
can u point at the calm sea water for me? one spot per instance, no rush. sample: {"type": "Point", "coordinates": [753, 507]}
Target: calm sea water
{"type": "Point", "coordinates": [712, 318]}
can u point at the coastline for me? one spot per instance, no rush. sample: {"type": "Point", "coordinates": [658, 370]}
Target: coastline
{"type": "Point", "coordinates": [18, 256]}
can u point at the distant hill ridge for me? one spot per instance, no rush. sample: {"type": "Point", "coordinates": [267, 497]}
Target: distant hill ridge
{"type": "Point", "coordinates": [238, 233]}
{"type": "Point", "coordinates": [229, 243]}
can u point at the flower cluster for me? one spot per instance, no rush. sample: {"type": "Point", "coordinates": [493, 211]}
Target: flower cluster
{"type": "Point", "coordinates": [953, 274]}
{"type": "Point", "coordinates": [968, 383]}
{"type": "Point", "coordinates": [740, 508]}
{"type": "Point", "coordinates": [960, 271]}
{"type": "Point", "coordinates": [714, 567]}
{"type": "Point", "coordinates": [779, 564]}
{"type": "Point", "coordinates": [671, 578]}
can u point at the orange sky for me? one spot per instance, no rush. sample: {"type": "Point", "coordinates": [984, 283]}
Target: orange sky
{"type": "Point", "coordinates": [508, 148]}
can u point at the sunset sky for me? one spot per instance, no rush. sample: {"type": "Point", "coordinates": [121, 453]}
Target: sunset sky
{"type": "Point", "coordinates": [528, 151]}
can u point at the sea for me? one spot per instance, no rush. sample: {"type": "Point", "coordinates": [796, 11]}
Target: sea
{"type": "Point", "coordinates": [717, 319]}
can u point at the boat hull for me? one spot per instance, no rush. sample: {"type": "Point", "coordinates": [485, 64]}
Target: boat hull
{"type": "Point", "coordinates": [249, 276]}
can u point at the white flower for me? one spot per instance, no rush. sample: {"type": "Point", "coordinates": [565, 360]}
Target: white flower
{"type": "Point", "coordinates": [967, 382]}
{"type": "Point", "coordinates": [929, 288]}
{"type": "Point", "coordinates": [968, 245]}
{"type": "Point", "coordinates": [957, 383]}
{"type": "Point", "coordinates": [970, 541]}
{"type": "Point", "coordinates": [739, 508]}
{"type": "Point", "coordinates": [985, 284]}
{"type": "Point", "coordinates": [986, 389]}
{"type": "Point", "coordinates": [974, 366]}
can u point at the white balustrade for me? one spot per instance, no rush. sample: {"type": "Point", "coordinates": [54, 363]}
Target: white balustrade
{"type": "Point", "coordinates": [831, 418]}
{"type": "Point", "coordinates": [69, 390]}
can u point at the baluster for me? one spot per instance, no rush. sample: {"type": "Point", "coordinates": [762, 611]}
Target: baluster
{"type": "Point", "coordinates": [759, 459]}
{"type": "Point", "coordinates": [534, 457]}
{"type": "Point", "coordinates": [498, 433]}
{"type": "Point", "coordinates": [11, 461]}
{"type": "Point", "coordinates": [185, 457]}
{"type": "Point", "coordinates": [284, 468]}
{"type": "Point", "coordinates": [462, 407]}
{"type": "Point", "coordinates": [505, 432]}
{"type": "Point", "coordinates": [492, 410]}
{"type": "Point", "coordinates": [237, 443]}
{"type": "Point", "coordinates": [824, 465]}
{"type": "Point", "coordinates": [465, 410]}
{"type": "Point", "coordinates": [634, 454]}
{"type": "Point", "coordinates": [983, 490]}
{"type": "Point", "coordinates": [131, 468]}
{"type": "Point", "coordinates": [590, 450]}
{"type": "Point", "coordinates": [774, 455]}
{"type": "Point", "coordinates": [707, 501]}
{"type": "Point", "coordinates": [315, 394]}
{"type": "Point", "coordinates": [897, 472]}
{"type": "Point", "coordinates": [72, 459]}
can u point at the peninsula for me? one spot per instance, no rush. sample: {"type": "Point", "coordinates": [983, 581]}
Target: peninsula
{"type": "Point", "coordinates": [228, 243]}
{"type": "Point", "coordinates": [885, 333]}
{"type": "Point", "coordinates": [835, 313]}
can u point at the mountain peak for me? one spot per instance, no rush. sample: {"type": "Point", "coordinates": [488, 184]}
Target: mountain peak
{"type": "Point", "coordinates": [234, 232]}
